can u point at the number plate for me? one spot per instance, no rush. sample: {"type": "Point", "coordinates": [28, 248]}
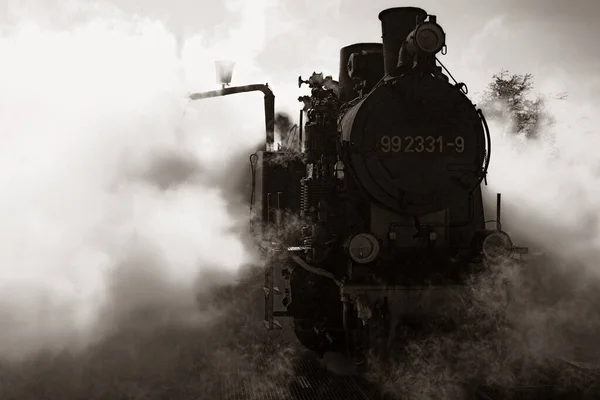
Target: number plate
{"type": "Point", "coordinates": [421, 144]}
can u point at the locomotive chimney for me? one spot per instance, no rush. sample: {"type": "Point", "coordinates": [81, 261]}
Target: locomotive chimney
{"type": "Point", "coordinates": [396, 24]}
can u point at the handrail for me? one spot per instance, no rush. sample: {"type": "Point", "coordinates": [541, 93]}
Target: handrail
{"type": "Point", "coordinates": [488, 153]}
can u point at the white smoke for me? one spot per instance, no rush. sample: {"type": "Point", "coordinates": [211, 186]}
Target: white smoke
{"type": "Point", "coordinates": [550, 202]}
{"type": "Point", "coordinates": [107, 214]}
{"type": "Point", "coordinates": [550, 185]}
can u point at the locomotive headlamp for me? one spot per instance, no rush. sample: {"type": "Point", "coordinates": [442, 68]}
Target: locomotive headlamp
{"type": "Point", "coordinates": [497, 246]}
{"type": "Point", "coordinates": [363, 248]}
{"type": "Point", "coordinates": [224, 70]}
{"type": "Point", "coordinates": [429, 37]}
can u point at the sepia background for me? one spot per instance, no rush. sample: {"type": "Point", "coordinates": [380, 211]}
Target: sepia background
{"type": "Point", "coordinates": [124, 205]}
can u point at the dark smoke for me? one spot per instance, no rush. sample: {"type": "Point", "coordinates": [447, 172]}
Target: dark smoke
{"type": "Point", "coordinates": [283, 125]}
{"type": "Point", "coordinates": [170, 169]}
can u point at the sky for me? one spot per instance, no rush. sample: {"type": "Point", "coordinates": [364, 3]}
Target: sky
{"type": "Point", "coordinates": [553, 39]}
{"type": "Point", "coordinates": [94, 119]}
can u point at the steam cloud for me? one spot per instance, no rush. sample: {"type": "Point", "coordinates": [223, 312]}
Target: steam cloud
{"type": "Point", "coordinates": [125, 206]}
{"type": "Point", "coordinates": [112, 210]}
{"type": "Point", "coordinates": [551, 201]}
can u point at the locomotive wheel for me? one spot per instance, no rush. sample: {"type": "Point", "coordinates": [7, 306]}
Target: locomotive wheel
{"type": "Point", "coordinates": [308, 337]}
{"type": "Point", "coordinates": [320, 343]}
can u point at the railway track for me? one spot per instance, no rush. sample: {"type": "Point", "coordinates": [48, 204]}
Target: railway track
{"type": "Point", "coordinates": [308, 380]}
{"type": "Point", "coordinates": [187, 366]}
{"type": "Point", "coordinates": [305, 379]}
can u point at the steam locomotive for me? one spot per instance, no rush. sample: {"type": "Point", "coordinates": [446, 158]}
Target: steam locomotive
{"type": "Point", "coordinates": [385, 191]}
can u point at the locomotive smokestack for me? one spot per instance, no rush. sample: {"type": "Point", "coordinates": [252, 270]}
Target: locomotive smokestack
{"type": "Point", "coordinates": [396, 24]}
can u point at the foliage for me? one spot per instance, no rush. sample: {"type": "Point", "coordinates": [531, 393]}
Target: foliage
{"type": "Point", "coordinates": [509, 96]}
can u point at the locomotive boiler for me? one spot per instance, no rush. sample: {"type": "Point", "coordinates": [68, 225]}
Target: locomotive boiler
{"type": "Point", "coordinates": [385, 193]}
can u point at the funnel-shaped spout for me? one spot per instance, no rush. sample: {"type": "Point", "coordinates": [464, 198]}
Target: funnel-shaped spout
{"type": "Point", "coordinates": [224, 70]}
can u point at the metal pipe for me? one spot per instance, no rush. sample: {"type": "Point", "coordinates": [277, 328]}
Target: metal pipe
{"type": "Point", "coordinates": [315, 270]}
{"type": "Point", "coordinates": [269, 105]}
{"type": "Point", "coordinates": [301, 127]}
{"type": "Point", "coordinates": [498, 202]}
